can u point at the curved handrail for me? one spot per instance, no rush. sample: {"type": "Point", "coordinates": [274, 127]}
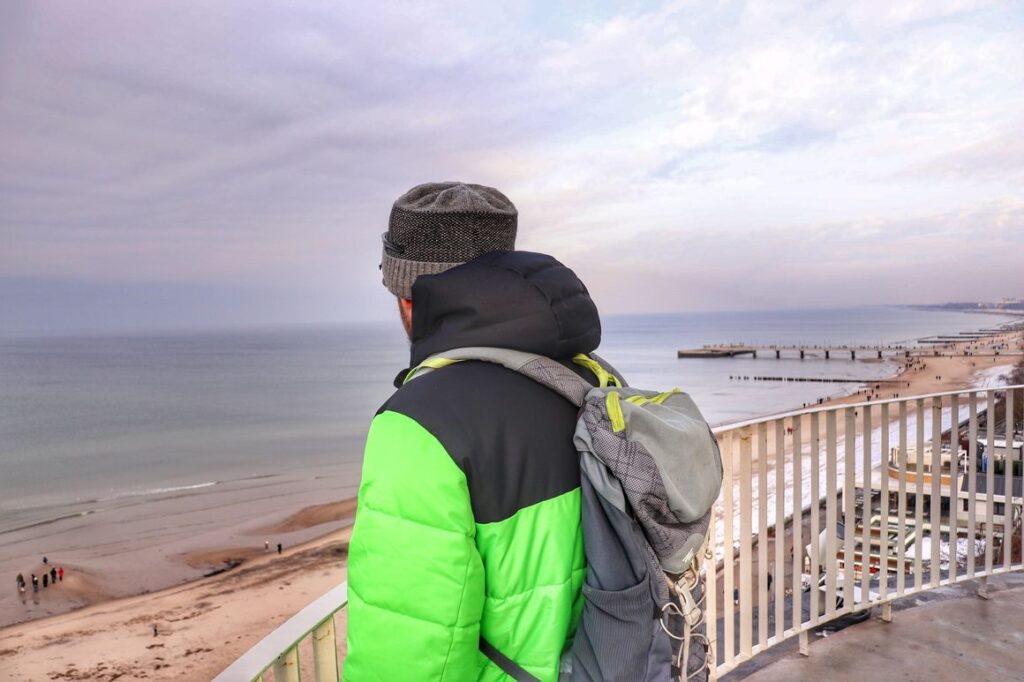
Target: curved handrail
{"type": "Point", "coordinates": [829, 467]}
{"type": "Point", "coordinates": [745, 627]}
{"type": "Point", "coordinates": [722, 428]}
{"type": "Point", "coordinates": [254, 662]}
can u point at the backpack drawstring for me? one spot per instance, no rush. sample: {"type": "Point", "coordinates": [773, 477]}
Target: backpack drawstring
{"type": "Point", "coordinates": [690, 611]}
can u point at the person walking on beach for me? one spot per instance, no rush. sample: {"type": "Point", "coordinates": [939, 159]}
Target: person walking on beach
{"type": "Point", "coordinates": [35, 583]}
{"type": "Point", "coordinates": [60, 573]}
{"type": "Point", "coordinates": [279, 548]}
{"type": "Point", "coordinates": [20, 582]}
{"type": "Point", "coordinates": [53, 575]}
{"type": "Point", "coordinates": [466, 559]}
{"type": "Point", "coordinates": [46, 580]}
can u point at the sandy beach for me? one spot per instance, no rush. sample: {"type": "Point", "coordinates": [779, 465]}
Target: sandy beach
{"type": "Point", "coordinates": [952, 370]}
{"type": "Point", "coordinates": [137, 544]}
{"type": "Point", "coordinates": [924, 374]}
{"type": "Point", "coordinates": [921, 375]}
{"type": "Point", "coordinates": [86, 628]}
{"type": "Point", "coordinates": [201, 626]}
{"type": "Point", "coordinates": [961, 366]}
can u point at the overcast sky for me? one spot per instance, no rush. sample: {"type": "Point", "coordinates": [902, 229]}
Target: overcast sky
{"type": "Point", "coordinates": [184, 164]}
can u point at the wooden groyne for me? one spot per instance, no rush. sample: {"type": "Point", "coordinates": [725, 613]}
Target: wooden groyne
{"type": "Point", "coordinates": [825, 380]}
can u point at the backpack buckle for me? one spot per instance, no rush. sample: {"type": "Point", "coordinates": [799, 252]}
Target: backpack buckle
{"type": "Point", "coordinates": [687, 609]}
{"type": "Point", "coordinates": [691, 612]}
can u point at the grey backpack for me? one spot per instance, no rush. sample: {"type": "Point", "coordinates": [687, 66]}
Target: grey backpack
{"type": "Point", "coordinates": [650, 470]}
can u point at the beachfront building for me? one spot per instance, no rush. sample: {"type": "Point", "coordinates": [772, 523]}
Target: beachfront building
{"type": "Point", "coordinates": [821, 519]}
{"type": "Point", "coordinates": [890, 537]}
{"type": "Point", "coordinates": [916, 473]}
{"type": "Point", "coordinates": [1005, 512]}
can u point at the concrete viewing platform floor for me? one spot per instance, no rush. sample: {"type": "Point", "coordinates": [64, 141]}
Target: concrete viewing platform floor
{"type": "Point", "coordinates": [947, 634]}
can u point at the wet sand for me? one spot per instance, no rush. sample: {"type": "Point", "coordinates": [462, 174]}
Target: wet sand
{"type": "Point", "coordinates": [202, 625]}
{"type": "Point", "coordinates": [147, 543]}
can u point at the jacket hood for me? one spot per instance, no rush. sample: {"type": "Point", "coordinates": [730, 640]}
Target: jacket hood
{"type": "Point", "coordinates": [504, 299]}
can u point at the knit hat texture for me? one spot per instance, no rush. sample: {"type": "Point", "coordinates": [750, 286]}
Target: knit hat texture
{"type": "Point", "coordinates": [439, 225]}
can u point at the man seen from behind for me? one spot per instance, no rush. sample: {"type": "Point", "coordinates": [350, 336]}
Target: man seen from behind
{"type": "Point", "coordinates": [466, 560]}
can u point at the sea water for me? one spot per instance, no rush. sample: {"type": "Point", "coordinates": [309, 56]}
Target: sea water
{"type": "Point", "coordinates": [94, 422]}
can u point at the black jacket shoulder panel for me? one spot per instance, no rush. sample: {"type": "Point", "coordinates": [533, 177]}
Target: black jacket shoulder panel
{"type": "Point", "coordinates": [512, 437]}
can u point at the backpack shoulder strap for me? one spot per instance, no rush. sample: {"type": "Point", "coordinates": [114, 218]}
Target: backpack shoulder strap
{"type": "Point", "coordinates": [615, 379]}
{"type": "Point", "coordinates": [544, 371]}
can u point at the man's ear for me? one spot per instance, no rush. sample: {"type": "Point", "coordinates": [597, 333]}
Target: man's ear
{"type": "Point", "coordinates": [405, 310]}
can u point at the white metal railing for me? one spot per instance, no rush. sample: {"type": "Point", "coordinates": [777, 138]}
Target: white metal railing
{"type": "Point", "coordinates": [830, 511]}
{"type": "Point", "coordinates": [279, 651]}
{"type": "Point", "coordinates": [797, 491]}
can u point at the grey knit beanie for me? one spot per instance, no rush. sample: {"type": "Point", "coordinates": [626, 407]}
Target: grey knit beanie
{"type": "Point", "coordinates": [439, 225]}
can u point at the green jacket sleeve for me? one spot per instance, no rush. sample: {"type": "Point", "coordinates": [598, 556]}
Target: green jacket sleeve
{"type": "Point", "coordinates": [416, 580]}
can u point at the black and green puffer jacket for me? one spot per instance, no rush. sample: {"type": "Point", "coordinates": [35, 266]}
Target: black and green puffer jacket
{"type": "Point", "coordinates": [467, 533]}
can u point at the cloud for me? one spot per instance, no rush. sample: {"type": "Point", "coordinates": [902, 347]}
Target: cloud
{"type": "Point", "coordinates": [258, 147]}
{"type": "Point", "coordinates": [926, 258]}
{"type": "Point", "coordinates": [999, 158]}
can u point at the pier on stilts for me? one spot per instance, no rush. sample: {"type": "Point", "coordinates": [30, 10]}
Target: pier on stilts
{"type": "Point", "coordinates": [802, 351]}
{"type": "Point", "coordinates": [982, 343]}
{"type": "Point", "coordinates": [852, 352]}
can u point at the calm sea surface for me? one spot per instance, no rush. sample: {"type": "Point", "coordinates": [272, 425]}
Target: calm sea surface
{"type": "Point", "coordinates": [108, 418]}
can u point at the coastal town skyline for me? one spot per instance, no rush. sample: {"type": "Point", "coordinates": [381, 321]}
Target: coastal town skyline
{"type": "Point", "coordinates": [175, 165]}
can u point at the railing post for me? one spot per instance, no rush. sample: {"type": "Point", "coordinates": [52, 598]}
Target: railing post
{"type": "Point", "coordinates": [972, 482]}
{"type": "Point", "coordinates": [849, 509]}
{"type": "Point", "coordinates": [805, 649]}
{"type": "Point", "coordinates": [746, 560]}
{"type": "Point", "coordinates": [831, 515]}
{"type": "Point", "coordinates": [762, 535]}
{"type": "Point", "coordinates": [935, 512]}
{"type": "Point", "coordinates": [815, 559]}
{"type": "Point", "coordinates": [901, 504]}
{"type": "Point", "coordinates": [866, 508]}
{"type": "Point", "coordinates": [325, 652]}
{"type": "Point", "coordinates": [918, 491]}
{"type": "Point", "coordinates": [796, 549]}
{"type": "Point", "coordinates": [1021, 503]}
{"type": "Point", "coordinates": [1008, 476]}
{"type": "Point", "coordinates": [887, 612]}
{"type": "Point", "coordinates": [954, 489]}
{"type": "Point", "coordinates": [883, 525]}
{"type": "Point", "coordinates": [779, 465]}
{"type": "Point", "coordinates": [730, 589]}
{"type": "Point", "coordinates": [286, 666]}
{"type": "Point", "coordinates": [990, 482]}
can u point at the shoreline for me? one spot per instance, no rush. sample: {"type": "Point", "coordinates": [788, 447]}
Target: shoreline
{"type": "Point", "coordinates": [916, 375]}
{"type": "Point", "coordinates": [147, 544]}
{"type": "Point", "coordinates": [201, 624]}
{"type": "Point", "coordinates": [235, 592]}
